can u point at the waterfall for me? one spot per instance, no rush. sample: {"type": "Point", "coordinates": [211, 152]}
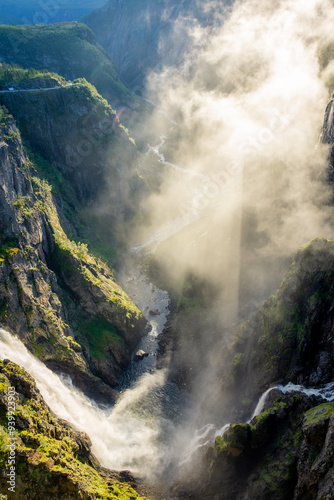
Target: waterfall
{"type": "Point", "coordinates": [123, 437]}
{"type": "Point", "coordinates": [326, 392]}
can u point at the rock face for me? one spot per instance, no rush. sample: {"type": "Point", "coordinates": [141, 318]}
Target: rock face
{"type": "Point", "coordinates": [74, 130]}
{"type": "Point", "coordinates": [284, 453]}
{"type": "Point", "coordinates": [287, 451]}
{"type": "Point", "coordinates": [327, 136]}
{"type": "Point", "coordinates": [52, 460]}
{"type": "Point", "coordinates": [140, 355]}
{"type": "Point", "coordinates": [52, 289]}
{"type": "Point", "coordinates": [140, 36]}
{"type": "Point", "coordinates": [290, 338]}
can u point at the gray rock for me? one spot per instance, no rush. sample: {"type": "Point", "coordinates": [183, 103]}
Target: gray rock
{"type": "Point", "coordinates": [140, 354]}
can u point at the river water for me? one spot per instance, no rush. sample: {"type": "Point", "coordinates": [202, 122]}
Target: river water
{"type": "Point", "coordinates": [136, 433]}
{"type": "Point", "coordinates": [154, 304]}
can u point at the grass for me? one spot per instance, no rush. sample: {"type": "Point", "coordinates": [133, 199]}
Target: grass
{"type": "Point", "coordinates": [26, 78]}
{"type": "Point", "coordinates": [9, 249]}
{"type": "Point", "coordinates": [319, 414]}
{"type": "Point", "coordinates": [100, 335]}
{"type": "Point", "coordinates": [70, 50]}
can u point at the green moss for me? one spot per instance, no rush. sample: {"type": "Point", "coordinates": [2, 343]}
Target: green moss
{"type": "Point", "coordinates": [238, 359]}
{"type": "Point", "coordinates": [4, 310]}
{"type": "Point", "coordinates": [186, 303]}
{"type": "Point", "coordinates": [101, 335]}
{"type": "Point", "coordinates": [246, 401]}
{"type": "Point", "coordinates": [233, 442]}
{"type": "Point", "coordinates": [9, 249]}
{"type": "Point", "coordinates": [48, 456]}
{"type": "Point", "coordinates": [38, 350]}
{"type": "Point", "coordinates": [319, 414]}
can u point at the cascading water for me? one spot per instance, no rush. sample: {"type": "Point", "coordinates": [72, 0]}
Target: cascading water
{"type": "Point", "coordinates": [207, 434]}
{"type": "Point", "coordinates": [124, 436]}
{"type": "Point", "coordinates": [326, 392]}
{"type": "Point", "coordinates": [132, 435]}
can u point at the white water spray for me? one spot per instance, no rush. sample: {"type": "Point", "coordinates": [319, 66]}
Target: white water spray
{"type": "Point", "coordinates": [122, 437]}
{"type": "Point", "coordinates": [326, 392]}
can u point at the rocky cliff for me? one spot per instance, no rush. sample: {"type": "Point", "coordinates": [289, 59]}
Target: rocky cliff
{"type": "Point", "coordinates": [52, 289]}
{"type": "Point", "coordinates": [140, 36]}
{"type": "Point", "coordinates": [286, 451]}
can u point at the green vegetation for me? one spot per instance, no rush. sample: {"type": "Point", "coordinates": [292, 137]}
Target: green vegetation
{"type": "Point", "coordinates": [319, 414]}
{"type": "Point", "coordinates": [9, 249]}
{"type": "Point", "coordinates": [233, 442]}
{"type": "Point", "coordinates": [4, 310]}
{"type": "Point", "coordinates": [50, 456]}
{"type": "Point", "coordinates": [3, 117]}
{"type": "Point", "coordinates": [69, 49]}
{"type": "Point", "coordinates": [267, 448]}
{"type": "Point", "coordinates": [33, 12]}
{"type": "Point", "coordinates": [189, 303]}
{"type": "Point", "coordinates": [73, 260]}
{"type": "Point", "coordinates": [101, 335]}
{"type": "Point", "coordinates": [87, 137]}
{"type": "Point", "coordinates": [81, 273]}
{"type": "Point", "coordinates": [285, 322]}
{"type": "Point", "coordinates": [19, 78]}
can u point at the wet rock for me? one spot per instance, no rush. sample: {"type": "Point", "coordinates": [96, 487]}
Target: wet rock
{"type": "Point", "coordinates": [140, 355]}
{"type": "Point", "coordinates": [52, 459]}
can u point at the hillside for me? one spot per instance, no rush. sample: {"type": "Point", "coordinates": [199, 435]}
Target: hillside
{"type": "Point", "coordinates": [140, 36]}
{"type": "Point", "coordinates": [54, 459]}
{"type": "Point", "coordinates": [53, 289]}
{"type": "Point", "coordinates": [69, 49]}
{"type": "Point", "coordinates": [285, 450]}
{"type": "Point", "coordinates": [167, 278]}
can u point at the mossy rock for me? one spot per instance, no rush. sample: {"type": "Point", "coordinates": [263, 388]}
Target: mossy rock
{"type": "Point", "coordinates": [52, 459]}
{"type": "Point", "coordinates": [234, 441]}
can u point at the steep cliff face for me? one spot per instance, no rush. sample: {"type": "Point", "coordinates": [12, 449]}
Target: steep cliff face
{"type": "Point", "coordinates": [75, 130]}
{"type": "Point", "coordinates": [77, 134]}
{"type": "Point", "coordinates": [284, 453]}
{"type": "Point", "coordinates": [52, 289]}
{"type": "Point", "coordinates": [290, 338]}
{"type": "Point", "coordinates": [52, 460]}
{"type": "Point", "coordinates": [141, 35]}
{"type": "Point", "coordinates": [327, 135]}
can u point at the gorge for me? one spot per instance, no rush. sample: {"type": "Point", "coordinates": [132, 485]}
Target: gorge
{"type": "Point", "coordinates": [167, 252]}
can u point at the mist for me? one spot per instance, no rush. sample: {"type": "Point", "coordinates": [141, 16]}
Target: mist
{"type": "Point", "coordinates": [244, 174]}
{"type": "Point", "coordinates": [243, 185]}
{"type": "Point", "coordinates": [244, 181]}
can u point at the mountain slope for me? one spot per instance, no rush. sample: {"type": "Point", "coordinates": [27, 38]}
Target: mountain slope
{"type": "Point", "coordinates": [69, 49]}
{"type": "Point", "coordinates": [141, 35]}
{"type": "Point", "coordinates": [286, 450]}
{"type": "Point", "coordinates": [51, 288]}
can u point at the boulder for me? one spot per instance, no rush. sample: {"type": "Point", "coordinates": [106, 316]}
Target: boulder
{"type": "Point", "coordinates": [140, 354]}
